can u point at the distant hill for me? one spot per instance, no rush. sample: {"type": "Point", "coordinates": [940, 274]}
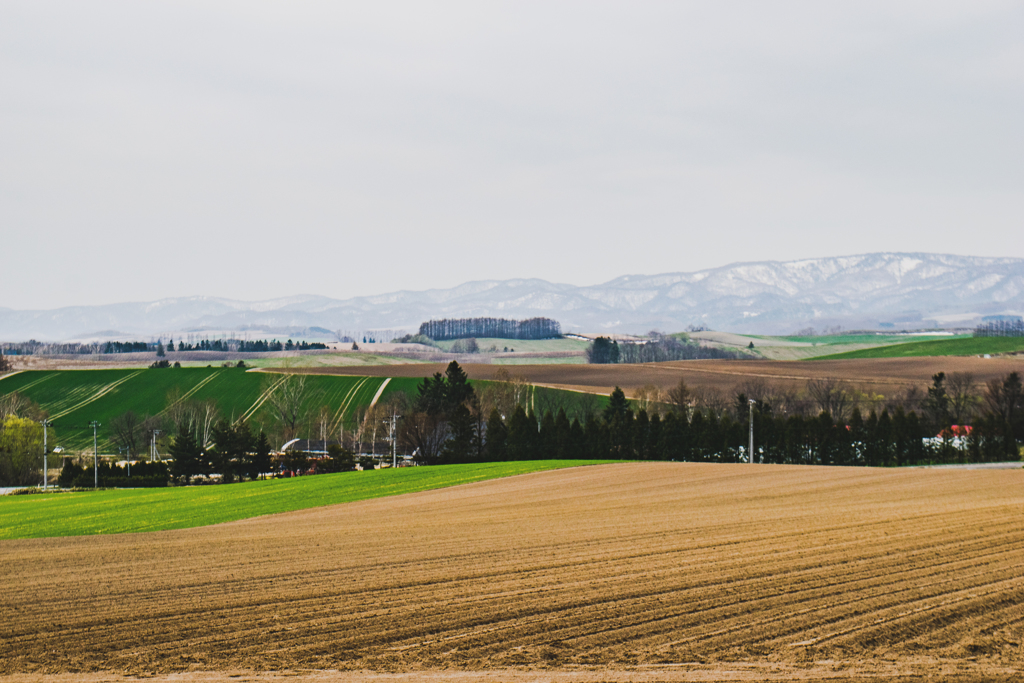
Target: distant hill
{"type": "Point", "coordinates": [887, 290]}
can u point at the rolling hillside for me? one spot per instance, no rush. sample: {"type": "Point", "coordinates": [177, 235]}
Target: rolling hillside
{"type": "Point", "coordinates": [74, 398]}
{"type": "Point", "coordinates": [964, 346]}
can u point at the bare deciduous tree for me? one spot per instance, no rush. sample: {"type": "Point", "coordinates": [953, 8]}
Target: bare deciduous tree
{"type": "Point", "coordinates": [650, 398]}
{"type": "Point", "coordinates": [707, 398]}
{"type": "Point", "coordinates": [193, 417]}
{"type": "Point", "coordinates": [831, 396]}
{"type": "Point", "coordinates": [681, 398]}
{"type": "Point", "coordinates": [963, 396]}
{"type": "Point", "coordinates": [19, 405]}
{"type": "Point", "coordinates": [506, 392]}
{"type": "Point", "coordinates": [285, 402]}
{"type": "Point", "coordinates": [128, 432]}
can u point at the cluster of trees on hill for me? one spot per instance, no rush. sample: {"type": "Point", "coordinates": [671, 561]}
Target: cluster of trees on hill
{"type": "Point", "coordinates": [657, 349]}
{"type": "Point", "coordinates": [127, 347]}
{"type": "Point", "coordinates": [1000, 328]}
{"type": "Point", "coordinates": [464, 328]}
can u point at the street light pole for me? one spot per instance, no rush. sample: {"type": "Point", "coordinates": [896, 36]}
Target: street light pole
{"type": "Point", "coordinates": [95, 456]}
{"type": "Point", "coordinates": [751, 403]}
{"type": "Point", "coordinates": [46, 470]}
{"type": "Point", "coordinates": [394, 441]}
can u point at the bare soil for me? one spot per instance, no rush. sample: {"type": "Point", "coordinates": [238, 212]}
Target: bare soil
{"type": "Point", "coordinates": [877, 375]}
{"type": "Point", "coordinates": [629, 572]}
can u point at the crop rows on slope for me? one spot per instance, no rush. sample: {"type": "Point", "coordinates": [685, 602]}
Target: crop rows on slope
{"type": "Point", "coordinates": [75, 398]}
{"type": "Point", "coordinates": [605, 566]}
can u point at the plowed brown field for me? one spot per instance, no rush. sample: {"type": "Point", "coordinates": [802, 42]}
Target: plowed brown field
{"type": "Point", "coordinates": [643, 571]}
{"type": "Point", "coordinates": [878, 375]}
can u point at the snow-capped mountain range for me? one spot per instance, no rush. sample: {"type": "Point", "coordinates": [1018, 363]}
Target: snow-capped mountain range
{"type": "Point", "coordinates": [869, 291]}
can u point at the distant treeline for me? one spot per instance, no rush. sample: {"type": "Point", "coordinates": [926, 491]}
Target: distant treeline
{"type": "Point", "coordinates": [660, 348]}
{"type": "Point", "coordinates": [1000, 328]}
{"type": "Point", "coordinates": [500, 328]}
{"type": "Point", "coordinates": [33, 347]}
{"type": "Point", "coordinates": [242, 346]}
{"type": "Point", "coordinates": [127, 347]}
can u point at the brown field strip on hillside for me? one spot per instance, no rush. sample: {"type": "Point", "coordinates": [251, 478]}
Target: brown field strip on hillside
{"type": "Point", "coordinates": [878, 375]}
{"type": "Point", "coordinates": [677, 568]}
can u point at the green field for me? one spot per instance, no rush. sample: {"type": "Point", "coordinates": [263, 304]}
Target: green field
{"type": "Point", "coordinates": [960, 346]}
{"type": "Point", "coordinates": [134, 510]}
{"type": "Point", "coordinates": [74, 398]}
{"type": "Point", "coordinates": [844, 339]}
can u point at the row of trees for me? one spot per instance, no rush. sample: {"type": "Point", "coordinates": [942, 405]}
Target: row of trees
{"type": "Point", "coordinates": [446, 424]}
{"type": "Point", "coordinates": [245, 346]}
{"type": "Point", "coordinates": [1000, 328]}
{"type": "Point", "coordinates": [464, 328]}
{"type": "Point", "coordinates": [233, 451]}
{"type": "Point", "coordinates": [127, 347]}
{"type": "Point", "coordinates": [657, 349]}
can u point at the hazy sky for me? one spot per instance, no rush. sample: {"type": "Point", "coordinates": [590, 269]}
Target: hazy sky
{"type": "Point", "coordinates": [254, 150]}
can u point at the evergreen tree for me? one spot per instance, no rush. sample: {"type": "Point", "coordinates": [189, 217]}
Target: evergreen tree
{"type": "Point", "coordinates": [433, 397]}
{"type": "Point", "coordinates": [600, 351]}
{"type": "Point", "coordinates": [522, 436]}
{"type": "Point", "coordinates": [338, 460]}
{"type": "Point", "coordinates": [260, 463]}
{"type": "Point", "coordinates": [618, 418]}
{"type": "Point", "coordinates": [496, 445]}
{"type": "Point", "coordinates": [187, 457]}
{"type": "Point", "coordinates": [233, 446]}
{"type": "Point", "coordinates": [458, 389]}
{"type": "Point", "coordinates": [936, 404]}
{"type": "Point", "coordinates": [547, 441]}
{"type": "Point", "coordinates": [641, 435]}
{"type": "Point", "coordinates": [562, 436]}
{"type": "Point", "coordinates": [461, 443]}
{"type": "Point", "coordinates": [577, 442]}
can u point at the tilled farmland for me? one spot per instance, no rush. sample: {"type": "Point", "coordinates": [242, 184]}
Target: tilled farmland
{"type": "Point", "coordinates": [642, 571]}
{"type": "Point", "coordinates": [876, 375]}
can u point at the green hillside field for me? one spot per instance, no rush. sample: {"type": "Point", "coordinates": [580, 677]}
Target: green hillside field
{"type": "Point", "coordinates": [961, 346]}
{"type": "Point", "coordinates": [134, 510]}
{"type": "Point", "coordinates": [74, 398]}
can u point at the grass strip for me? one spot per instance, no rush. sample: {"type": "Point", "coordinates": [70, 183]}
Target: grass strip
{"type": "Point", "coordinates": [119, 511]}
{"type": "Point", "coordinates": [968, 346]}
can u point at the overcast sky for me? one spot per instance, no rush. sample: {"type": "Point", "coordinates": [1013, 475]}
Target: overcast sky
{"type": "Point", "coordinates": [253, 150]}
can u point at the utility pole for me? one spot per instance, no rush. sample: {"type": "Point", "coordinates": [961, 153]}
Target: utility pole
{"type": "Point", "coordinates": [751, 403]}
{"type": "Point", "coordinates": [46, 471]}
{"type": "Point", "coordinates": [152, 453]}
{"type": "Point", "coordinates": [394, 441]}
{"type": "Point", "coordinates": [95, 456]}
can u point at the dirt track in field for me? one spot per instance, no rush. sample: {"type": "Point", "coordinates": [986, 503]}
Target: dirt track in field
{"type": "Point", "coordinates": [642, 571]}
{"type": "Point", "coordinates": [881, 375]}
